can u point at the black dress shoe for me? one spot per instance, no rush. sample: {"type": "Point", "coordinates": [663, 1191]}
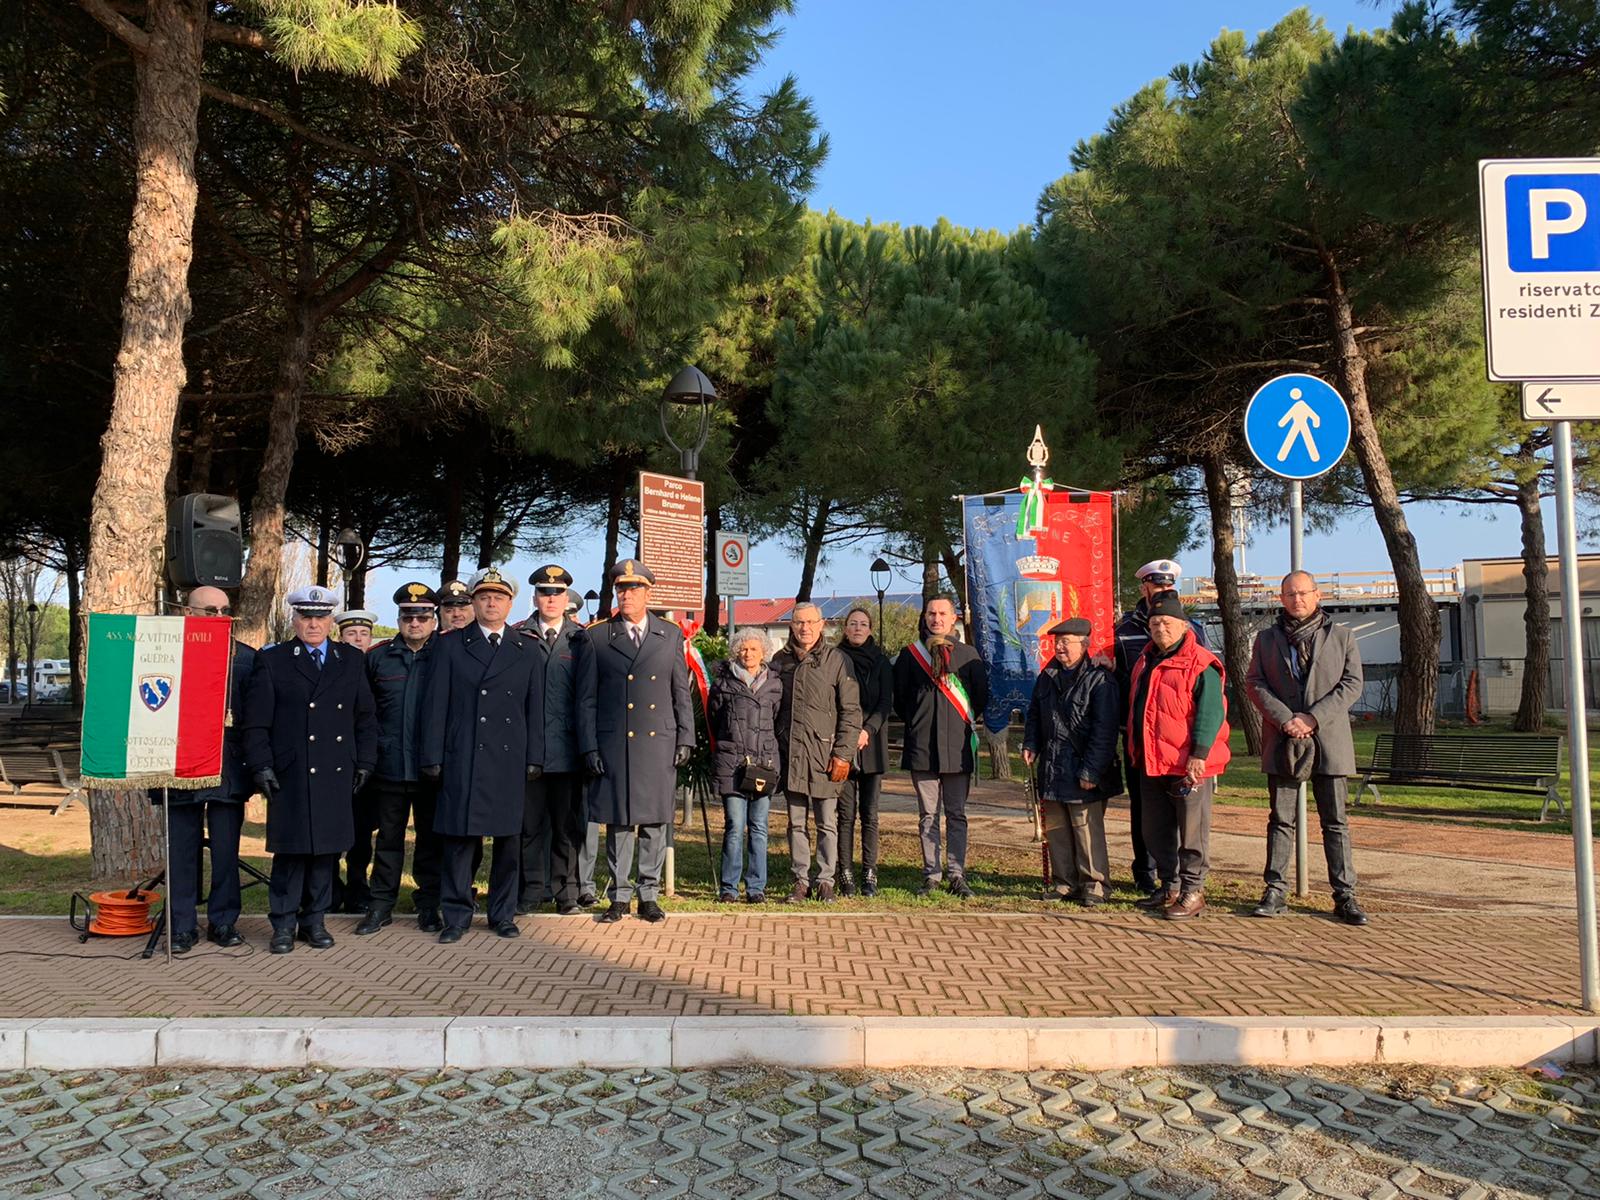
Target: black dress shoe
{"type": "Point", "coordinates": [526, 907]}
{"type": "Point", "coordinates": [317, 937]}
{"type": "Point", "coordinates": [616, 912]}
{"type": "Point", "coordinates": [375, 920]}
{"type": "Point", "coordinates": [1272, 905]}
{"type": "Point", "coordinates": [587, 900]}
{"type": "Point", "coordinates": [650, 911]}
{"type": "Point", "coordinates": [451, 934]}
{"type": "Point", "coordinates": [507, 929]}
{"type": "Point", "coordinates": [429, 920]}
{"type": "Point", "coordinates": [185, 941]}
{"type": "Point", "coordinates": [356, 904]}
{"type": "Point", "coordinates": [1348, 911]}
{"type": "Point", "coordinates": [567, 910]}
{"type": "Point", "coordinates": [224, 935]}
{"type": "Point", "coordinates": [282, 941]}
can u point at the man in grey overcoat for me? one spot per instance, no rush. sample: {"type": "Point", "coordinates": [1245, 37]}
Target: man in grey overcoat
{"type": "Point", "coordinates": [635, 729]}
{"type": "Point", "coordinates": [1305, 674]}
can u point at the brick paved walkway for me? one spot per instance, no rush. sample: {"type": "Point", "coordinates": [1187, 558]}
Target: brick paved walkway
{"type": "Point", "coordinates": [519, 1135]}
{"type": "Point", "coordinates": [898, 965]}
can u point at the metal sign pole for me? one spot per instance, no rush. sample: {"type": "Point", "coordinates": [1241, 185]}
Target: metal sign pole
{"type": "Point", "coordinates": [166, 903]}
{"type": "Point", "coordinates": [1577, 722]}
{"type": "Point", "coordinates": [1297, 534]}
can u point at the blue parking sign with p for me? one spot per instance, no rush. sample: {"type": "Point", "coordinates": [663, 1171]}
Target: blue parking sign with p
{"type": "Point", "coordinates": [1553, 222]}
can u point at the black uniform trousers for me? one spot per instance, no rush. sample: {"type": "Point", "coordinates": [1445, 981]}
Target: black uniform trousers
{"type": "Point", "coordinates": [354, 891]}
{"type": "Point", "coordinates": [189, 823]}
{"type": "Point", "coordinates": [301, 887]}
{"type": "Point", "coordinates": [554, 823]}
{"type": "Point", "coordinates": [1144, 859]}
{"type": "Point", "coordinates": [458, 866]}
{"type": "Point", "coordinates": [399, 802]}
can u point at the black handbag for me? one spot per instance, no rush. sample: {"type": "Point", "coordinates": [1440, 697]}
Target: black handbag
{"type": "Point", "coordinates": [754, 778]}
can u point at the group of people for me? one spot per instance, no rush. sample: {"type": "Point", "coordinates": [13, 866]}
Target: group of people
{"type": "Point", "coordinates": [1164, 694]}
{"type": "Point", "coordinates": [536, 734]}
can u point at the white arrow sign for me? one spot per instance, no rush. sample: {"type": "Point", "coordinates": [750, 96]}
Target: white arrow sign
{"type": "Point", "coordinates": [1301, 420]}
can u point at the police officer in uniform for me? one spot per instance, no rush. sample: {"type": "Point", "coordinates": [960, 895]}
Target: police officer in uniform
{"type": "Point", "coordinates": [483, 737]}
{"type": "Point", "coordinates": [351, 893]}
{"type": "Point", "coordinates": [355, 628]}
{"type": "Point", "coordinates": [635, 728]}
{"type": "Point", "coordinates": [311, 742]}
{"type": "Point", "coordinates": [399, 671]}
{"type": "Point", "coordinates": [455, 606]}
{"type": "Point", "coordinates": [218, 810]}
{"type": "Point", "coordinates": [554, 820]}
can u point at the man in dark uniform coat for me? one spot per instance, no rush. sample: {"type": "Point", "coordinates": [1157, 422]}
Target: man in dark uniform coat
{"type": "Point", "coordinates": [554, 818]}
{"type": "Point", "coordinates": [351, 892]}
{"type": "Point", "coordinates": [219, 810]}
{"type": "Point", "coordinates": [399, 670]}
{"type": "Point", "coordinates": [310, 741]}
{"type": "Point", "coordinates": [455, 606]}
{"type": "Point", "coordinates": [635, 728]}
{"type": "Point", "coordinates": [482, 738]}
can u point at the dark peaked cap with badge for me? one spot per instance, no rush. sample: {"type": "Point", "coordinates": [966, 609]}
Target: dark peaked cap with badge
{"type": "Point", "coordinates": [1075, 626]}
{"type": "Point", "coordinates": [415, 595]}
{"type": "Point", "coordinates": [453, 593]}
{"type": "Point", "coordinates": [551, 575]}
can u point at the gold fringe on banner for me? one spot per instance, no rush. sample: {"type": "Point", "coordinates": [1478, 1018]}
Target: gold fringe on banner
{"type": "Point", "coordinates": [146, 782]}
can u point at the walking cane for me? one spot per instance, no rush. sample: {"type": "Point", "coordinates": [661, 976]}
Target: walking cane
{"type": "Point", "coordinates": [712, 857]}
{"type": "Point", "coordinates": [1036, 810]}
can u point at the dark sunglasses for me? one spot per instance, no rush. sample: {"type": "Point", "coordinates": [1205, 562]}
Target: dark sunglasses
{"type": "Point", "coordinates": [416, 616]}
{"type": "Point", "coordinates": [551, 591]}
{"type": "Point", "coordinates": [216, 610]}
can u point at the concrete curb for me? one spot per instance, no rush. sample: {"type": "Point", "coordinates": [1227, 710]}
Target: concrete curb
{"type": "Point", "coordinates": [811, 1043]}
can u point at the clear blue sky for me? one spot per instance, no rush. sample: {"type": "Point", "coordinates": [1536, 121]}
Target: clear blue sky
{"type": "Point", "coordinates": [967, 112]}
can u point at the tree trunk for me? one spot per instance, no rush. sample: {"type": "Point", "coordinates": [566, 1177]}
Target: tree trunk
{"type": "Point", "coordinates": [816, 529]}
{"type": "Point", "coordinates": [127, 837]}
{"type": "Point", "coordinates": [1416, 708]}
{"type": "Point", "coordinates": [999, 751]}
{"type": "Point", "coordinates": [324, 545]}
{"type": "Point", "coordinates": [1235, 644]}
{"type": "Point", "coordinates": [712, 618]}
{"type": "Point", "coordinates": [128, 520]}
{"type": "Point", "coordinates": [69, 559]}
{"type": "Point", "coordinates": [957, 575]}
{"type": "Point", "coordinates": [613, 535]}
{"type": "Point", "coordinates": [202, 446]}
{"type": "Point", "coordinates": [1536, 614]}
{"type": "Point", "coordinates": [490, 516]}
{"type": "Point", "coordinates": [930, 573]}
{"type": "Point", "coordinates": [450, 567]}
{"type": "Point", "coordinates": [358, 587]}
{"type": "Point", "coordinates": [261, 577]}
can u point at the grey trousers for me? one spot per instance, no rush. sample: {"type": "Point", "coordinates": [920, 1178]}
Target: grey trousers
{"type": "Point", "coordinates": [1330, 792]}
{"type": "Point", "coordinates": [949, 792]}
{"type": "Point", "coordinates": [652, 842]}
{"type": "Point", "coordinates": [588, 855]}
{"type": "Point", "coordinates": [1178, 829]}
{"type": "Point", "coordinates": [825, 811]}
{"type": "Point", "coordinates": [1078, 857]}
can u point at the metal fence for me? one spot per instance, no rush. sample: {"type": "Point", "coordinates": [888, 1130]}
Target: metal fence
{"type": "Point", "coordinates": [1497, 683]}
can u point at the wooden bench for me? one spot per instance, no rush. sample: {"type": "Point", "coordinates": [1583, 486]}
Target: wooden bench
{"type": "Point", "coordinates": [1491, 762]}
{"type": "Point", "coordinates": [19, 767]}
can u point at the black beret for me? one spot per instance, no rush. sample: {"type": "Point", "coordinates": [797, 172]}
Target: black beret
{"type": "Point", "coordinates": [1073, 625]}
{"type": "Point", "coordinates": [1167, 604]}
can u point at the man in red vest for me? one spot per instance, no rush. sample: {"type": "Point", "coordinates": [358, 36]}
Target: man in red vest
{"type": "Point", "coordinates": [1178, 737]}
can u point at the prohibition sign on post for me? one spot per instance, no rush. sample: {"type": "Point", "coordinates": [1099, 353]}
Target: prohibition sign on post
{"type": "Point", "coordinates": [733, 564]}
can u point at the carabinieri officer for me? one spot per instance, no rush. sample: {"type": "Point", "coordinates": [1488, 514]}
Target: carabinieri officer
{"type": "Point", "coordinates": [483, 738]}
{"type": "Point", "coordinates": [310, 742]}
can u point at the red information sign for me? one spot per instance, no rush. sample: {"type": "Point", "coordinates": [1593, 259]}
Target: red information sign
{"type": "Point", "coordinates": [672, 539]}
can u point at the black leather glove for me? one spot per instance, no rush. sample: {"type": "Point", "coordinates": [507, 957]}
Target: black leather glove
{"type": "Point", "coordinates": [434, 773]}
{"type": "Point", "coordinates": [362, 776]}
{"type": "Point", "coordinates": [680, 758]}
{"type": "Point", "coordinates": [535, 772]}
{"type": "Point", "coordinates": [268, 782]}
{"type": "Point", "coordinates": [594, 764]}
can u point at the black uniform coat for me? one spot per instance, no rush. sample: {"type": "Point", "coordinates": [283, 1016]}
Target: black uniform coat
{"type": "Point", "coordinates": [936, 737]}
{"type": "Point", "coordinates": [485, 727]}
{"type": "Point", "coordinates": [1073, 717]}
{"type": "Point", "coordinates": [399, 678]}
{"type": "Point", "coordinates": [314, 729]}
{"type": "Point", "coordinates": [555, 677]}
{"type": "Point", "coordinates": [236, 786]}
{"type": "Point", "coordinates": [634, 708]}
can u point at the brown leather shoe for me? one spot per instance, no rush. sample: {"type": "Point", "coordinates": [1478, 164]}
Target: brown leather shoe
{"type": "Point", "coordinates": [1159, 899]}
{"type": "Point", "coordinates": [1190, 904]}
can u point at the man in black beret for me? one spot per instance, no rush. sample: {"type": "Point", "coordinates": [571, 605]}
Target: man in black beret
{"type": "Point", "coordinates": [1071, 737]}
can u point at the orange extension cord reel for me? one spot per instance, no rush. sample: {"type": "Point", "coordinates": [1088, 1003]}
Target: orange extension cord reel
{"type": "Point", "coordinates": [114, 914]}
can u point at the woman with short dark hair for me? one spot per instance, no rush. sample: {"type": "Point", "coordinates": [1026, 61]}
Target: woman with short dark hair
{"type": "Point", "coordinates": [875, 682]}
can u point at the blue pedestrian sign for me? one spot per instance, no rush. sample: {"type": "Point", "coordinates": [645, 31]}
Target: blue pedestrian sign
{"type": "Point", "coordinates": [1297, 426]}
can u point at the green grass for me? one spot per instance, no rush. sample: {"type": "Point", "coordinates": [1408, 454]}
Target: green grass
{"type": "Point", "coordinates": [1245, 783]}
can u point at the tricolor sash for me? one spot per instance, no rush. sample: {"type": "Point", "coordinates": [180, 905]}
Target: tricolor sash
{"type": "Point", "coordinates": [953, 690]}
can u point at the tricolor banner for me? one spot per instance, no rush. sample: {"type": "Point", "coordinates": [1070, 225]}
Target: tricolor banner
{"type": "Point", "coordinates": [155, 700]}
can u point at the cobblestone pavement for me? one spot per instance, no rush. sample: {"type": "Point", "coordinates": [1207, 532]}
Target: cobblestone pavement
{"type": "Point", "coordinates": [1205, 1134]}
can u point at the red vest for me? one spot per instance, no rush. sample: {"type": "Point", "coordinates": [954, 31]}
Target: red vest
{"type": "Point", "coordinates": [1164, 744]}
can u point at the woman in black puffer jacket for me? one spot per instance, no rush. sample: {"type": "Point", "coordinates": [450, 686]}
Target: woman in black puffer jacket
{"type": "Point", "coordinates": [743, 713]}
{"type": "Point", "coordinates": [875, 682]}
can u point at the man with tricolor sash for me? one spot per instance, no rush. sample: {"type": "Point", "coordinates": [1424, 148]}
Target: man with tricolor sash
{"type": "Point", "coordinates": [940, 688]}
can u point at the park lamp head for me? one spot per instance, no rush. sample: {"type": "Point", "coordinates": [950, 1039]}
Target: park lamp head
{"type": "Point", "coordinates": [691, 388]}
{"type": "Point", "coordinates": [350, 549]}
{"type": "Point", "coordinates": [881, 575]}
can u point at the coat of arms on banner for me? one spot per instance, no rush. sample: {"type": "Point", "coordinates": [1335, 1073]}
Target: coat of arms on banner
{"type": "Point", "coordinates": [155, 691]}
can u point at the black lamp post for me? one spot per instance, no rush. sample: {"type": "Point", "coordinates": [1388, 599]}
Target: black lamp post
{"type": "Point", "coordinates": [881, 577]}
{"type": "Point", "coordinates": [691, 388]}
{"type": "Point", "coordinates": [589, 599]}
{"type": "Point", "coordinates": [33, 635]}
{"type": "Point", "coordinates": [352, 552]}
